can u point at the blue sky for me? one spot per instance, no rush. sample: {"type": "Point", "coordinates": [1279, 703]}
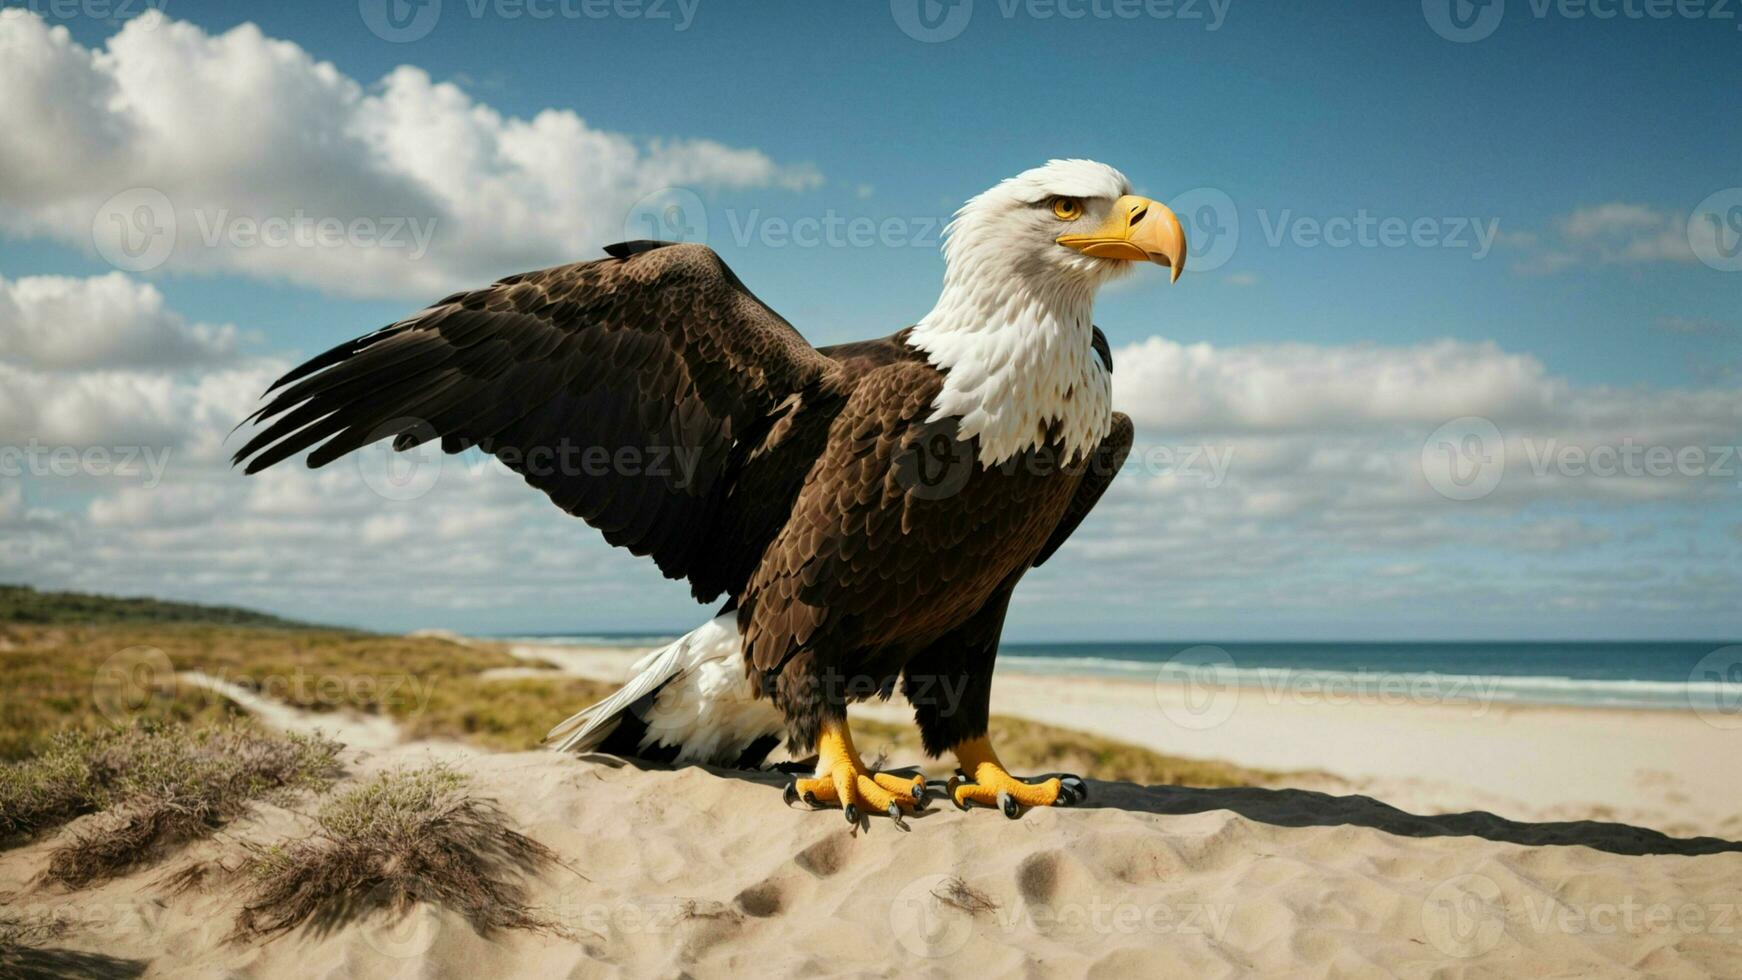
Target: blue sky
{"type": "Point", "coordinates": [1282, 107]}
{"type": "Point", "coordinates": [1584, 143]}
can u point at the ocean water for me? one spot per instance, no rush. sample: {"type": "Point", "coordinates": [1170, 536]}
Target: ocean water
{"type": "Point", "coordinates": [1670, 675]}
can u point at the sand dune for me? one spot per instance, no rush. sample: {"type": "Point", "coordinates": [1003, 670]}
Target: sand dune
{"type": "Point", "coordinates": [352, 729]}
{"type": "Point", "coordinates": [693, 872]}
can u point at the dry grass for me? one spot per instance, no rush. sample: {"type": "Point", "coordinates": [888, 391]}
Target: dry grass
{"type": "Point", "coordinates": [19, 931]}
{"type": "Point", "coordinates": [408, 836]}
{"type": "Point", "coordinates": [508, 715]}
{"type": "Point", "coordinates": [152, 788]}
{"type": "Point", "coordinates": [26, 951]}
{"type": "Point", "coordinates": [49, 790]}
{"type": "Point", "coordinates": [50, 675]}
{"type": "Point", "coordinates": [959, 894]}
{"type": "Point", "coordinates": [427, 684]}
{"type": "Point", "coordinates": [432, 688]}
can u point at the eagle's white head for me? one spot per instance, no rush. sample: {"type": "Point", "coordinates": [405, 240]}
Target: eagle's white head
{"type": "Point", "coordinates": [1013, 325]}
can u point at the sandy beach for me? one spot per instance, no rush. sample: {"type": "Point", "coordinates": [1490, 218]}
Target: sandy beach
{"type": "Point", "coordinates": [691, 872]}
{"type": "Point", "coordinates": [1663, 769]}
{"type": "Point", "coordinates": [1395, 839]}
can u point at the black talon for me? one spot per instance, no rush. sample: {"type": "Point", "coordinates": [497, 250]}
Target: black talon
{"type": "Point", "coordinates": [950, 791]}
{"type": "Point", "coordinates": [789, 795]}
{"type": "Point", "coordinates": [894, 812]}
{"type": "Point", "coordinates": [811, 798]}
{"type": "Point", "coordinates": [852, 813]}
{"type": "Point", "coordinates": [1076, 788]}
{"type": "Point", "coordinates": [1007, 803]}
{"type": "Point", "coordinates": [921, 796]}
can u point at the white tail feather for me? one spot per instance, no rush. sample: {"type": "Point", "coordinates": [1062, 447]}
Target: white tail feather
{"type": "Point", "coordinates": [704, 704]}
{"type": "Point", "coordinates": [586, 729]}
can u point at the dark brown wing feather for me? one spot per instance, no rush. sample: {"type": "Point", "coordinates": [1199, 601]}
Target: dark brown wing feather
{"type": "Point", "coordinates": [618, 387]}
{"type": "Point", "coordinates": [1103, 466]}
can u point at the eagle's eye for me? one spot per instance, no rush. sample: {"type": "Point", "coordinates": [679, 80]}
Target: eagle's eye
{"type": "Point", "coordinates": [1067, 208]}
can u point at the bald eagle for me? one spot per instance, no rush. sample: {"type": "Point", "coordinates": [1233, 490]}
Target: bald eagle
{"type": "Point", "coordinates": [866, 510]}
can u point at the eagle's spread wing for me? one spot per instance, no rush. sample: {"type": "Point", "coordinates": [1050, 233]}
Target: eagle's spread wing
{"type": "Point", "coordinates": [619, 387]}
{"type": "Point", "coordinates": [1104, 465]}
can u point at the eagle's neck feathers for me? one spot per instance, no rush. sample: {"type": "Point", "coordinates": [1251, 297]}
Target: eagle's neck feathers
{"type": "Point", "coordinates": [1018, 361]}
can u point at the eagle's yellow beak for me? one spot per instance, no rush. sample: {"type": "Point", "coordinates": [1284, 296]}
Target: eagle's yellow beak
{"type": "Point", "coordinates": [1137, 230]}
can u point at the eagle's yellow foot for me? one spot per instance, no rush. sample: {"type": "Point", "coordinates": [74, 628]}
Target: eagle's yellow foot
{"type": "Point", "coordinates": [987, 782]}
{"type": "Point", "coordinates": [843, 779]}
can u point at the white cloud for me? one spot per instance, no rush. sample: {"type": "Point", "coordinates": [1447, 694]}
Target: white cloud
{"type": "Point", "coordinates": [341, 553]}
{"type": "Point", "coordinates": [1314, 427]}
{"type": "Point", "coordinates": [1325, 502]}
{"type": "Point", "coordinates": [128, 408]}
{"type": "Point", "coordinates": [1608, 220]}
{"type": "Point", "coordinates": [1306, 387]}
{"type": "Point", "coordinates": [238, 130]}
{"type": "Point", "coordinates": [1322, 504]}
{"type": "Point", "coordinates": [110, 321]}
{"type": "Point", "coordinates": [101, 369]}
{"type": "Point", "coordinates": [1614, 233]}
{"type": "Point", "coordinates": [114, 477]}
{"type": "Point", "coordinates": [1670, 243]}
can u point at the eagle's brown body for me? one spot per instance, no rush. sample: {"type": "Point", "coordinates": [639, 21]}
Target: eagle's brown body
{"type": "Point", "coordinates": [900, 550]}
{"type": "Point", "coordinates": [859, 542]}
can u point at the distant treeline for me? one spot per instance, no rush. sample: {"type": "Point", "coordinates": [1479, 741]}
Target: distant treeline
{"type": "Point", "coordinates": [23, 604]}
